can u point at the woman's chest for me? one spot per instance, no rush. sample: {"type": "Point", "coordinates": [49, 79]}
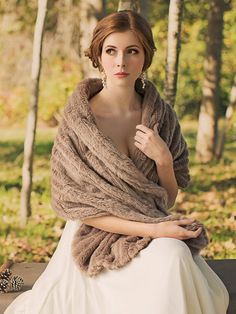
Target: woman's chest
{"type": "Point", "coordinates": [121, 130]}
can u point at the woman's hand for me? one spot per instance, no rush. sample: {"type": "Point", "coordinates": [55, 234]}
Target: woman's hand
{"type": "Point", "coordinates": [152, 145]}
{"type": "Point", "coordinates": [173, 229]}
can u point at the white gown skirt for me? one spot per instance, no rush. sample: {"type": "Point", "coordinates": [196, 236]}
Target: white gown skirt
{"type": "Point", "coordinates": [162, 279]}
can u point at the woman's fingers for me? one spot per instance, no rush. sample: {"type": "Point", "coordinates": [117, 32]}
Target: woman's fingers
{"type": "Point", "coordinates": [189, 233]}
{"type": "Point", "coordinates": [173, 229]}
{"type": "Point", "coordinates": [192, 234]}
{"type": "Point", "coordinates": [197, 232]}
{"type": "Point", "coordinates": [185, 221]}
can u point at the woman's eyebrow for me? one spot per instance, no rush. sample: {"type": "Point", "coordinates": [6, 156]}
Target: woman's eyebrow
{"type": "Point", "coordinates": [133, 46]}
{"type": "Point", "coordinates": [111, 46]}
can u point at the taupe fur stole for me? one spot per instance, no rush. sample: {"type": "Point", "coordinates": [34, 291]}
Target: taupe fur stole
{"type": "Point", "coordinates": [92, 178]}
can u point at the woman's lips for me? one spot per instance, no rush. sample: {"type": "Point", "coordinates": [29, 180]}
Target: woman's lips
{"type": "Point", "coordinates": [121, 74]}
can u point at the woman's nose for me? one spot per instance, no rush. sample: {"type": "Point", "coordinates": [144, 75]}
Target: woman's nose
{"type": "Point", "coordinates": [120, 60]}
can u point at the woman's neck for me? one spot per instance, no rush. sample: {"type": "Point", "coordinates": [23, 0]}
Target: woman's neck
{"type": "Point", "coordinates": [120, 100]}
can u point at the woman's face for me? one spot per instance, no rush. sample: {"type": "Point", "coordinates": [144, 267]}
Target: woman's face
{"type": "Point", "coordinates": [122, 58]}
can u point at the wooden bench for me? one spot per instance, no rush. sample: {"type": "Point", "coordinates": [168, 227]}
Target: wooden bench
{"type": "Point", "coordinates": [29, 272]}
{"type": "Point", "coordinates": [225, 269]}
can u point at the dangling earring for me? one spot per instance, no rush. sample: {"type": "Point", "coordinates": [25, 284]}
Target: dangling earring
{"type": "Point", "coordinates": [143, 78]}
{"type": "Point", "coordinates": [104, 78]}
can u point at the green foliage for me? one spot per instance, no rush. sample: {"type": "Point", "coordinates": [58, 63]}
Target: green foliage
{"type": "Point", "coordinates": [229, 62]}
{"type": "Point", "coordinates": [193, 46]}
{"type": "Point", "coordinates": [58, 82]}
{"type": "Point", "coordinates": [156, 73]}
{"type": "Point", "coordinates": [14, 106]}
{"type": "Point", "coordinates": [39, 239]}
{"type": "Point", "coordinates": [210, 198]}
{"type": "Point", "coordinates": [111, 6]}
{"type": "Point", "coordinates": [25, 14]}
{"type": "Point", "coordinates": [61, 72]}
{"type": "Point", "coordinates": [190, 70]}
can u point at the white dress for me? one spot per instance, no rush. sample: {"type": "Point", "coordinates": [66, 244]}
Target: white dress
{"type": "Point", "coordinates": [162, 279]}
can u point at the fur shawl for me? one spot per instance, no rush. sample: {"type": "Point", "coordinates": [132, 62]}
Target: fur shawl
{"type": "Point", "coordinates": [91, 178]}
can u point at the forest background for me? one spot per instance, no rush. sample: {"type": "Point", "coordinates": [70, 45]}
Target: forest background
{"type": "Point", "coordinates": [211, 194]}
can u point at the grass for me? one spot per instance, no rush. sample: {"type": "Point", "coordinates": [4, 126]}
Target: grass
{"type": "Point", "coordinates": [210, 198]}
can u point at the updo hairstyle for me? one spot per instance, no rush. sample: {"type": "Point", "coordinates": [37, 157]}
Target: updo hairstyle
{"type": "Point", "coordinates": [120, 22]}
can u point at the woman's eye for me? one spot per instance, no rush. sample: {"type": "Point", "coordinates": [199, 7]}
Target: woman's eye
{"type": "Point", "coordinates": [110, 51]}
{"type": "Point", "coordinates": [133, 51]}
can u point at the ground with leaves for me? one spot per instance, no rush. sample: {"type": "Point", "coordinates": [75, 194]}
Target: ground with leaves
{"type": "Point", "coordinates": [210, 198]}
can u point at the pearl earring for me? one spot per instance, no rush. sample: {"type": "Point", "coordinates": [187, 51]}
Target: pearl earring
{"type": "Point", "coordinates": [143, 78]}
{"type": "Point", "coordinates": [104, 78]}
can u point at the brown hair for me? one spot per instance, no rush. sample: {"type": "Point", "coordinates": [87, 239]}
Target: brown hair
{"type": "Point", "coordinates": [120, 22]}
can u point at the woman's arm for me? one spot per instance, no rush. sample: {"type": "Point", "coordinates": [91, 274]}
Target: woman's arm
{"type": "Point", "coordinates": [168, 181]}
{"type": "Point", "coordinates": [119, 225]}
{"type": "Point", "coordinates": [171, 229]}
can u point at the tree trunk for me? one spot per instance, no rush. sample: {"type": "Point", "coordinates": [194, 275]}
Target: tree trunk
{"type": "Point", "coordinates": [173, 49]}
{"type": "Point", "coordinates": [207, 125]}
{"type": "Point", "coordinates": [27, 170]}
{"type": "Point", "coordinates": [67, 32]}
{"type": "Point", "coordinates": [227, 120]}
{"type": "Point", "coordinates": [144, 5]}
{"type": "Point", "coordinates": [90, 12]}
{"type": "Point", "coordinates": [133, 5]}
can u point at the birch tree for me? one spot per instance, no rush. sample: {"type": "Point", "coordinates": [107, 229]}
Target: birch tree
{"type": "Point", "coordinates": [207, 124]}
{"type": "Point", "coordinates": [27, 170]}
{"type": "Point", "coordinates": [173, 50]}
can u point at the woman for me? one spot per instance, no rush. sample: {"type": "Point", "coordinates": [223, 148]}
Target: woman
{"type": "Point", "coordinates": [117, 163]}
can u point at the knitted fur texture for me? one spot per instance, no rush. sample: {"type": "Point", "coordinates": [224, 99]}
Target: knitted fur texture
{"type": "Point", "coordinates": [92, 178]}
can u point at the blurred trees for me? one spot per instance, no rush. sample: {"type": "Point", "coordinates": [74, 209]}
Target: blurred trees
{"type": "Point", "coordinates": [208, 118]}
{"type": "Point", "coordinates": [133, 5]}
{"type": "Point", "coordinates": [62, 70]}
{"type": "Point", "coordinates": [173, 49]}
{"type": "Point", "coordinates": [27, 170]}
{"type": "Point", "coordinates": [66, 25]}
{"type": "Point", "coordinates": [68, 30]}
{"type": "Point", "coordinates": [90, 12]}
{"type": "Point", "coordinates": [227, 121]}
